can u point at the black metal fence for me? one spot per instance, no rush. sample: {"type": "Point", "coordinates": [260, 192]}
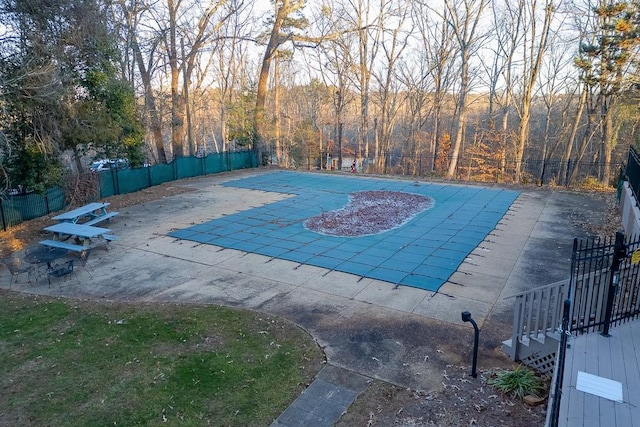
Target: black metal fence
{"type": "Point", "coordinates": [533, 171]}
{"type": "Point", "coordinates": [23, 207]}
{"type": "Point", "coordinates": [632, 172]}
{"type": "Point", "coordinates": [605, 283]}
{"type": "Point", "coordinates": [604, 292]}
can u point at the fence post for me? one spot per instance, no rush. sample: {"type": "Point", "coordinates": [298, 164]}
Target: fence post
{"type": "Point", "coordinates": [4, 222]}
{"type": "Point", "coordinates": [619, 252]}
{"type": "Point", "coordinates": [556, 391]}
{"type": "Point", "coordinates": [113, 181]}
{"type": "Point", "coordinates": [516, 328]}
{"type": "Point", "coordinates": [46, 202]}
{"type": "Point", "coordinates": [117, 177]}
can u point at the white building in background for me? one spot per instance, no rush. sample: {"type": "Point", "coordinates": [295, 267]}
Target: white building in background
{"type": "Point", "coordinates": [347, 163]}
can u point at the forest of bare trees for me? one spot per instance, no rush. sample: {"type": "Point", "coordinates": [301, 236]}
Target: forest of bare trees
{"type": "Point", "coordinates": [506, 90]}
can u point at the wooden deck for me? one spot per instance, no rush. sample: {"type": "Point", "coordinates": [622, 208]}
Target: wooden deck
{"type": "Point", "coordinates": [615, 358]}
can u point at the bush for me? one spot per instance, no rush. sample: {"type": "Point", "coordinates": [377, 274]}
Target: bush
{"type": "Point", "coordinates": [591, 183]}
{"type": "Point", "coordinates": [520, 382]}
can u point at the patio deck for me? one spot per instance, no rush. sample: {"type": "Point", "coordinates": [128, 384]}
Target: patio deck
{"type": "Point", "coordinates": [615, 358]}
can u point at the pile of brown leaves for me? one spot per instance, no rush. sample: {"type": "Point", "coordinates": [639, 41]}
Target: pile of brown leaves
{"type": "Point", "coordinates": [369, 212]}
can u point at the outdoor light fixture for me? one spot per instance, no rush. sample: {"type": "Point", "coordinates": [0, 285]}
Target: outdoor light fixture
{"type": "Point", "coordinates": [466, 317]}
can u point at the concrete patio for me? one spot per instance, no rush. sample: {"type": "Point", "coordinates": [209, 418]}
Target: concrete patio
{"type": "Point", "coordinates": [369, 327]}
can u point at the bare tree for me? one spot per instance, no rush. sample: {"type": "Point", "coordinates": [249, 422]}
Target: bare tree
{"type": "Point", "coordinates": [463, 17]}
{"type": "Point", "coordinates": [231, 70]}
{"type": "Point", "coordinates": [334, 62]}
{"type": "Point", "coordinates": [558, 96]}
{"type": "Point", "coordinates": [339, 61]}
{"type": "Point", "coordinates": [183, 29]}
{"type": "Point", "coordinates": [197, 29]}
{"type": "Point", "coordinates": [137, 45]}
{"type": "Point", "coordinates": [368, 25]}
{"type": "Point", "coordinates": [508, 21]}
{"type": "Point", "coordinates": [534, 49]}
{"type": "Point", "coordinates": [437, 43]}
{"type": "Point", "coordinates": [388, 83]}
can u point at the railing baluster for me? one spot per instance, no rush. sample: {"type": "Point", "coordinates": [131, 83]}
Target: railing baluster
{"type": "Point", "coordinates": [529, 309]}
{"type": "Point", "coordinates": [537, 306]}
{"type": "Point", "coordinates": [546, 311]}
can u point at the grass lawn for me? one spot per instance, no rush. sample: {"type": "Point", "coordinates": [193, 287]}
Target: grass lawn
{"type": "Point", "coordinates": [98, 363]}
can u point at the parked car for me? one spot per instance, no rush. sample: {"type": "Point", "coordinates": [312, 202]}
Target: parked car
{"type": "Point", "coordinates": [108, 164]}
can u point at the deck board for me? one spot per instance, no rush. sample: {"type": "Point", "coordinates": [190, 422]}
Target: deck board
{"type": "Point", "coordinates": [617, 358]}
{"type": "Point", "coordinates": [630, 352]}
{"type": "Point", "coordinates": [604, 369]}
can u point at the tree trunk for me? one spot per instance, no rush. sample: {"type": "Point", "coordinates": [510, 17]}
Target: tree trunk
{"type": "Point", "coordinates": [149, 97]}
{"type": "Point", "coordinates": [276, 112]}
{"type": "Point", "coordinates": [572, 136]}
{"type": "Point", "coordinates": [376, 140]}
{"type": "Point", "coordinates": [435, 137]}
{"type": "Point", "coordinates": [177, 103]}
{"type": "Point", "coordinates": [464, 25]}
{"type": "Point", "coordinates": [340, 145]}
{"type": "Point", "coordinates": [263, 79]}
{"type": "Point", "coordinates": [522, 138]}
{"type": "Point", "coordinates": [537, 50]}
{"type": "Point", "coordinates": [589, 132]}
{"type": "Point", "coordinates": [608, 142]}
{"type": "Point", "coordinates": [461, 118]}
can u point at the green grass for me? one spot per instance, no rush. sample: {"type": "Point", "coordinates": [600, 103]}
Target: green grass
{"type": "Point", "coordinates": [84, 363]}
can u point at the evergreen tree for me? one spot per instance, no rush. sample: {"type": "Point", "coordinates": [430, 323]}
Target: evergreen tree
{"type": "Point", "coordinates": [60, 90]}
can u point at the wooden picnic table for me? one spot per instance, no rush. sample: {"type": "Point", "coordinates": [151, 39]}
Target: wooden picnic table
{"type": "Point", "coordinates": [95, 212]}
{"type": "Point", "coordinates": [84, 236]}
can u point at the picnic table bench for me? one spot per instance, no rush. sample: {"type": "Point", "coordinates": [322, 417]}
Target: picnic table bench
{"type": "Point", "coordinates": [63, 245]}
{"type": "Point", "coordinates": [95, 212]}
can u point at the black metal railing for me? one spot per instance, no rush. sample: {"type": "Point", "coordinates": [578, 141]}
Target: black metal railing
{"type": "Point", "coordinates": [604, 292]}
{"type": "Point", "coordinates": [532, 171]}
{"type": "Point", "coordinates": [555, 392]}
{"type": "Point", "coordinates": [632, 173]}
{"type": "Point", "coordinates": [605, 283]}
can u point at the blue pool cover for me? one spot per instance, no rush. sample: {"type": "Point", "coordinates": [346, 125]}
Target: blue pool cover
{"type": "Point", "coordinates": [421, 253]}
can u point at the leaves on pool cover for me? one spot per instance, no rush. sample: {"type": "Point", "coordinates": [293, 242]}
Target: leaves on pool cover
{"type": "Point", "coordinates": [370, 212]}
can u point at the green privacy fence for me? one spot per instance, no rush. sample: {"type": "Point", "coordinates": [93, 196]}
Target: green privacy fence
{"type": "Point", "coordinates": [18, 208]}
{"type": "Point", "coordinates": [124, 181]}
{"type": "Point", "coordinates": [23, 207]}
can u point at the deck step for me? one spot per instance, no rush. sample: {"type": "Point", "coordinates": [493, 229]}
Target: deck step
{"type": "Point", "coordinates": [531, 346]}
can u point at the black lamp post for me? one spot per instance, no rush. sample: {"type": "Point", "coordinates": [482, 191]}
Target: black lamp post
{"type": "Point", "coordinates": [466, 317]}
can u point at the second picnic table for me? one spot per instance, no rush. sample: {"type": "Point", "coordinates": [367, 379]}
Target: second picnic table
{"type": "Point", "coordinates": [95, 212]}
